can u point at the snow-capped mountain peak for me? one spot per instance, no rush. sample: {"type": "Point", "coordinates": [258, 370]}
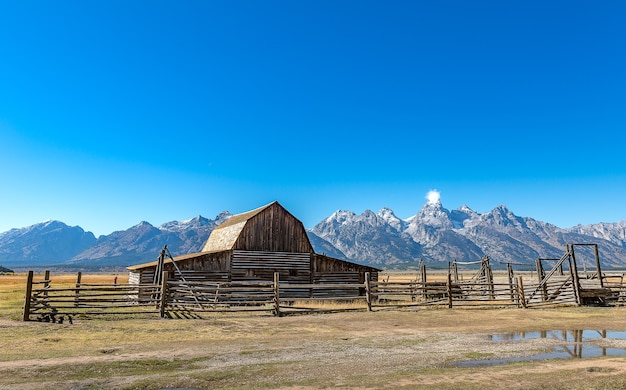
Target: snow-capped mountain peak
{"type": "Point", "coordinates": [341, 217]}
{"type": "Point", "coordinates": [466, 209]}
{"type": "Point", "coordinates": [195, 222]}
{"type": "Point", "coordinates": [387, 215]}
{"type": "Point", "coordinates": [434, 214]}
{"type": "Point", "coordinates": [222, 217]}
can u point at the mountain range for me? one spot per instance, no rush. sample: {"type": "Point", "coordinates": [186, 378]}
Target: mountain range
{"type": "Point", "coordinates": [435, 235]}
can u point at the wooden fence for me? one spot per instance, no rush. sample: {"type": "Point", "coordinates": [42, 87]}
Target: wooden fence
{"type": "Point", "coordinates": [177, 299]}
{"type": "Point", "coordinates": [53, 304]}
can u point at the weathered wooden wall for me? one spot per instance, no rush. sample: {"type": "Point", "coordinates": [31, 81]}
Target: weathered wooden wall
{"type": "Point", "coordinates": [270, 228]}
{"type": "Point", "coordinates": [206, 262]}
{"type": "Point", "coordinates": [274, 230]}
{"type": "Point", "coordinates": [324, 264]}
{"type": "Point", "coordinates": [260, 266]}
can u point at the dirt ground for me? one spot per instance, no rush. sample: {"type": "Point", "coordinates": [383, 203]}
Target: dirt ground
{"type": "Point", "coordinates": [418, 349]}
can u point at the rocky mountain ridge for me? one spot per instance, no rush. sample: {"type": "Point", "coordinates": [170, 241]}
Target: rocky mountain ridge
{"type": "Point", "coordinates": [438, 235]}
{"type": "Point", "coordinates": [434, 234]}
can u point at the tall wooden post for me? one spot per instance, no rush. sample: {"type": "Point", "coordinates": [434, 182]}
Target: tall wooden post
{"type": "Point", "coordinates": [46, 283]}
{"type": "Point", "coordinates": [595, 247]}
{"type": "Point", "coordinates": [277, 294]}
{"type": "Point", "coordinates": [575, 276]}
{"type": "Point", "coordinates": [492, 292]}
{"type": "Point", "coordinates": [449, 287]}
{"type": "Point", "coordinates": [509, 271]}
{"type": "Point", "coordinates": [423, 279]}
{"type": "Point", "coordinates": [29, 292]}
{"type": "Point", "coordinates": [160, 266]}
{"type": "Point", "coordinates": [456, 271]}
{"type": "Point", "coordinates": [368, 292]}
{"type": "Point", "coordinates": [163, 300]}
{"type": "Point", "coordinates": [419, 270]}
{"type": "Point", "coordinates": [540, 275]}
{"type": "Point", "coordinates": [79, 277]}
{"type": "Point", "coordinates": [520, 291]}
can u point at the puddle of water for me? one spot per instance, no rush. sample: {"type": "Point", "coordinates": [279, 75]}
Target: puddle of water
{"type": "Point", "coordinates": [565, 335]}
{"type": "Point", "coordinates": [577, 346]}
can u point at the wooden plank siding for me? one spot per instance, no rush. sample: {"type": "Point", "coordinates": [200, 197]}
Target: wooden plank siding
{"type": "Point", "coordinates": [201, 261]}
{"type": "Point", "coordinates": [217, 262]}
{"type": "Point", "coordinates": [269, 228]}
{"type": "Point", "coordinates": [293, 268]}
{"type": "Point", "coordinates": [141, 277]}
{"type": "Point", "coordinates": [274, 230]}
{"type": "Point", "coordinates": [324, 265]}
{"type": "Point", "coordinates": [257, 265]}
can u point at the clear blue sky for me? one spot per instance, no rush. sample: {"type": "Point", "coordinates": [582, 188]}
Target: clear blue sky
{"type": "Point", "coordinates": [114, 112]}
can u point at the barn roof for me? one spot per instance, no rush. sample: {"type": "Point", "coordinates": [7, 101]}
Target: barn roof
{"type": "Point", "coordinates": [243, 217]}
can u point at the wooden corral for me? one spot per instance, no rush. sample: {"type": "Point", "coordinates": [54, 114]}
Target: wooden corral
{"type": "Point", "coordinates": [566, 282]}
{"type": "Point", "coordinates": [561, 284]}
{"type": "Point", "coordinates": [252, 247]}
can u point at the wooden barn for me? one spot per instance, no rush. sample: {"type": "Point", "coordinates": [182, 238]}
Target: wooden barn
{"type": "Point", "coordinates": [252, 246]}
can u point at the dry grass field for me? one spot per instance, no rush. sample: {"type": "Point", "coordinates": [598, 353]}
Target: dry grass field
{"type": "Point", "coordinates": [358, 350]}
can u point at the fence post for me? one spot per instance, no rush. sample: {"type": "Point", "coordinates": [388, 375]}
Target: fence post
{"type": "Point", "coordinates": [163, 294]}
{"type": "Point", "coordinates": [595, 246]}
{"type": "Point", "coordinates": [368, 292]}
{"type": "Point", "coordinates": [509, 270]}
{"type": "Point", "coordinates": [79, 277]}
{"type": "Point", "coordinates": [574, 271]}
{"type": "Point", "coordinates": [277, 294]}
{"type": "Point", "coordinates": [423, 279]}
{"type": "Point", "coordinates": [449, 287]}
{"type": "Point", "coordinates": [46, 283]}
{"type": "Point", "coordinates": [520, 291]}
{"type": "Point", "coordinates": [489, 274]}
{"type": "Point", "coordinates": [540, 276]}
{"type": "Point", "coordinates": [29, 291]}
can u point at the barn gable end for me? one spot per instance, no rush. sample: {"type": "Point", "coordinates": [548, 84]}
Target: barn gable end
{"type": "Point", "coordinates": [269, 228]}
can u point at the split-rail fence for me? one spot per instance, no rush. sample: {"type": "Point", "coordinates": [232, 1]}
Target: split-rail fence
{"type": "Point", "coordinates": [176, 299]}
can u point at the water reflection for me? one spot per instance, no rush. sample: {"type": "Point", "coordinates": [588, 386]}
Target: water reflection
{"type": "Point", "coordinates": [565, 335]}
{"type": "Point", "coordinates": [576, 344]}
